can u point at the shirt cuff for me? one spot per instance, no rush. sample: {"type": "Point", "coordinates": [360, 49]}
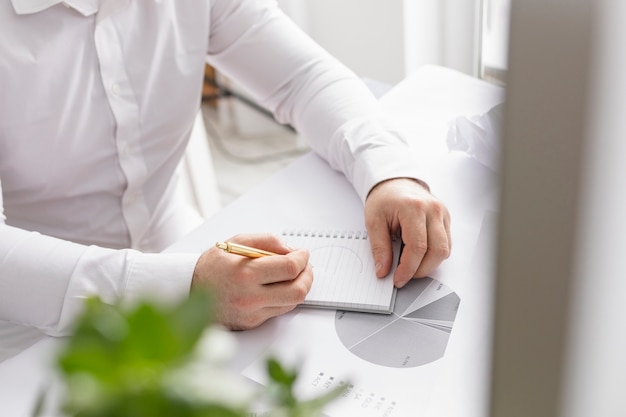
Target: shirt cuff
{"type": "Point", "coordinates": [383, 163]}
{"type": "Point", "coordinates": [159, 277]}
{"type": "Point", "coordinates": [155, 277]}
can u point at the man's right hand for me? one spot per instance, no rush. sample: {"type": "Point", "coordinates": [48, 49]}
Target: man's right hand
{"type": "Point", "coordinates": [249, 291]}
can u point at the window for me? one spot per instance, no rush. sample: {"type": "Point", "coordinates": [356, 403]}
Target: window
{"type": "Point", "coordinates": [494, 40]}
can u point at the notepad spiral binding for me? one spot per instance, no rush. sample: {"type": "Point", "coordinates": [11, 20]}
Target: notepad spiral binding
{"type": "Point", "coordinates": [334, 234]}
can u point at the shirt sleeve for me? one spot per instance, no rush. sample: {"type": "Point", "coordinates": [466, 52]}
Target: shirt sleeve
{"type": "Point", "coordinates": [44, 280]}
{"type": "Point", "coordinates": [274, 61]}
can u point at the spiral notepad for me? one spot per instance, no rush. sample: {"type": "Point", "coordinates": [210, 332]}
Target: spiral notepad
{"type": "Point", "coordinates": [344, 272]}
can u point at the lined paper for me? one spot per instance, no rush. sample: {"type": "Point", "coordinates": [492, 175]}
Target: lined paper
{"type": "Point", "coordinates": [344, 272]}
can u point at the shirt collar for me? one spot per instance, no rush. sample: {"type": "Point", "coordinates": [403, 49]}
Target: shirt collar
{"type": "Point", "coordinates": [85, 7]}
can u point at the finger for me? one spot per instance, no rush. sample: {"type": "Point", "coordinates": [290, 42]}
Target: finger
{"type": "Point", "coordinates": [446, 224]}
{"type": "Point", "coordinates": [438, 247]}
{"type": "Point", "coordinates": [381, 246]}
{"type": "Point", "coordinates": [265, 241]}
{"type": "Point", "coordinates": [255, 319]}
{"type": "Point", "coordinates": [289, 293]}
{"type": "Point", "coordinates": [260, 317]}
{"type": "Point", "coordinates": [279, 268]}
{"type": "Point", "coordinates": [270, 312]}
{"type": "Point", "coordinates": [258, 303]}
{"type": "Point", "coordinates": [415, 238]}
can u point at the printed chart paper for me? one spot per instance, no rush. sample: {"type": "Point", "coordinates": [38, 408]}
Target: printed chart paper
{"type": "Point", "coordinates": [388, 362]}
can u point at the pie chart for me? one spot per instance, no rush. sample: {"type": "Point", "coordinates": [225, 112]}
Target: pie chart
{"type": "Point", "coordinates": [415, 334]}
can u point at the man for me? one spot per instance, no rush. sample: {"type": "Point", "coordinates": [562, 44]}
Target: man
{"type": "Point", "coordinates": [97, 101]}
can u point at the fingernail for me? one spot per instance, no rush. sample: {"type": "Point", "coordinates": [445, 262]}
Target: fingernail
{"type": "Point", "coordinates": [401, 284]}
{"type": "Point", "coordinates": [378, 266]}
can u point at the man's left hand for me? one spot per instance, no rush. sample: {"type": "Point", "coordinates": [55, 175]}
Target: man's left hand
{"type": "Point", "coordinates": [406, 206]}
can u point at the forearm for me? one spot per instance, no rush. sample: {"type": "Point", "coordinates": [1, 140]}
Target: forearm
{"type": "Point", "coordinates": [44, 280]}
{"type": "Point", "coordinates": [34, 276]}
{"type": "Point", "coordinates": [303, 85]}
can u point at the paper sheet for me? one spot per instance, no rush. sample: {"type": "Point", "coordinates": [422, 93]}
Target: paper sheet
{"type": "Point", "coordinates": [387, 363]}
{"type": "Point", "coordinates": [344, 270]}
{"type": "Point", "coordinates": [478, 136]}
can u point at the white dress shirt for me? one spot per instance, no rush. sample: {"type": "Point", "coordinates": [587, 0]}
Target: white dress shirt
{"type": "Point", "coordinates": [97, 100]}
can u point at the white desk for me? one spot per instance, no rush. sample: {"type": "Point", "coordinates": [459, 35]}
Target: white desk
{"type": "Point", "coordinates": [422, 106]}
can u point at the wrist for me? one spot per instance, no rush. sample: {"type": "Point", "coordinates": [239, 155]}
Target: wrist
{"type": "Point", "coordinates": [421, 183]}
{"type": "Point", "coordinates": [198, 271]}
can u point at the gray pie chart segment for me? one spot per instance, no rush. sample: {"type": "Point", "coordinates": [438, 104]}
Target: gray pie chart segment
{"type": "Point", "coordinates": [443, 309]}
{"type": "Point", "coordinates": [406, 338]}
{"type": "Point", "coordinates": [354, 327]}
{"type": "Point", "coordinates": [409, 293]}
{"type": "Point", "coordinates": [417, 345]}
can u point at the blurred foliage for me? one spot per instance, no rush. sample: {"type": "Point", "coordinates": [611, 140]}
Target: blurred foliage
{"type": "Point", "coordinates": [152, 361]}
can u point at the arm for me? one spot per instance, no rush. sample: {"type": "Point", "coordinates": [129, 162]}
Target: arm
{"type": "Point", "coordinates": [260, 48]}
{"type": "Point", "coordinates": [43, 280]}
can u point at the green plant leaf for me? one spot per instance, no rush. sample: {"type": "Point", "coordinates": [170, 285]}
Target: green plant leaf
{"type": "Point", "coordinates": [121, 362]}
{"type": "Point", "coordinates": [280, 374]}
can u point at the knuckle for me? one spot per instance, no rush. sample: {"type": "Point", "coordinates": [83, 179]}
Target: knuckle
{"type": "Point", "coordinates": [438, 210]}
{"type": "Point", "coordinates": [441, 248]}
{"type": "Point", "coordinates": [378, 249]}
{"type": "Point", "coordinates": [418, 205]}
{"type": "Point", "coordinates": [292, 268]}
{"type": "Point", "coordinates": [300, 292]}
{"type": "Point", "coordinates": [419, 248]}
{"type": "Point", "coordinates": [444, 252]}
{"type": "Point", "coordinates": [439, 253]}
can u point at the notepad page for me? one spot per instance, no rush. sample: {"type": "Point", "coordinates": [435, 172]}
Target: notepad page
{"type": "Point", "coordinates": [344, 271]}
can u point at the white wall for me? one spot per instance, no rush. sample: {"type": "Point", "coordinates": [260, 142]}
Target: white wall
{"type": "Point", "coordinates": [442, 32]}
{"type": "Point", "coordinates": [366, 35]}
{"type": "Point", "coordinates": [384, 40]}
{"type": "Point", "coordinates": [387, 40]}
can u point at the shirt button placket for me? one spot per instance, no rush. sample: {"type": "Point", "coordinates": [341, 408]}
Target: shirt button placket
{"type": "Point", "coordinates": [124, 107]}
{"type": "Point", "coordinates": [116, 89]}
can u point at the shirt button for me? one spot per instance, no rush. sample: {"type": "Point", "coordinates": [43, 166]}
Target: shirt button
{"type": "Point", "coordinates": [116, 89]}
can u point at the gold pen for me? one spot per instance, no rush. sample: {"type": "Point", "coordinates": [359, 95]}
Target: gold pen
{"type": "Point", "coordinates": [243, 250]}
